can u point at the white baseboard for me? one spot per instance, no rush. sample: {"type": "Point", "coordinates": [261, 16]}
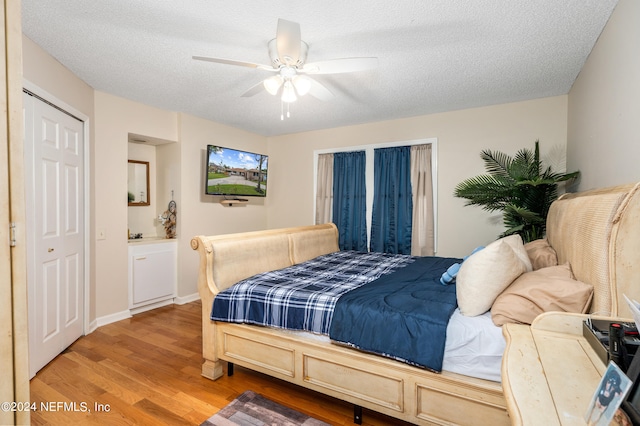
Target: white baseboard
{"type": "Point", "coordinates": [92, 327]}
{"type": "Point", "coordinates": [186, 299]}
{"type": "Point", "coordinates": [108, 319]}
{"type": "Point", "coordinates": [151, 306]}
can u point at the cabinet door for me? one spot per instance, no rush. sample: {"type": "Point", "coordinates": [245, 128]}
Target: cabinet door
{"type": "Point", "coordinates": [153, 276]}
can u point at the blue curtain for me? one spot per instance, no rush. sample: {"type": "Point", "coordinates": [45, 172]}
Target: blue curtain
{"type": "Point", "coordinates": [349, 200]}
{"type": "Point", "coordinates": [392, 203]}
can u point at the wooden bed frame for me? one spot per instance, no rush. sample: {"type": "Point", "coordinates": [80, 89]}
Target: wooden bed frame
{"type": "Point", "coordinates": [596, 231]}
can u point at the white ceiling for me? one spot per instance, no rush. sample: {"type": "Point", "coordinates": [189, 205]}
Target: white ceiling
{"type": "Point", "coordinates": [434, 55]}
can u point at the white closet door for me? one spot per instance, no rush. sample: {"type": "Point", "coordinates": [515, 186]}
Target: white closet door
{"type": "Point", "coordinates": [54, 161]}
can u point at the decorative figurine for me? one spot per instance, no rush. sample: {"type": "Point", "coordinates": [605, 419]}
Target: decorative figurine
{"type": "Point", "coordinates": [169, 220]}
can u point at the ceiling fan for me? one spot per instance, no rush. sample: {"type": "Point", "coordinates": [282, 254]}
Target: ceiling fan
{"type": "Point", "coordinates": [288, 55]}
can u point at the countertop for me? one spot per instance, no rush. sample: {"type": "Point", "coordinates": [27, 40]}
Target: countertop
{"type": "Point", "coordinates": [150, 240]}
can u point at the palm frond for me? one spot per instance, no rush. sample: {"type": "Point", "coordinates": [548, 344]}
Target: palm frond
{"type": "Point", "coordinates": [487, 191]}
{"type": "Point", "coordinates": [562, 177]}
{"type": "Point", "coordinates": [522, 215]}
{"type": "Point", "coordinates": [513, 230]}
{"type": "Point", "coordinates": [537, 182]}
{"type": "Point", "coordinates": [496, 163]}
{"type": "Point", "coordinates": [528, 163]}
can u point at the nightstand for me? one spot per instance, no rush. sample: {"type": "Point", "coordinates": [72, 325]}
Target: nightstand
{"type": "Point", "coordinates": [549, 371]}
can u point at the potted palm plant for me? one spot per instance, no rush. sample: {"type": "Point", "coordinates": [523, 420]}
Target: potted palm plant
{"type": "Point", "coordinates": [520, 187]}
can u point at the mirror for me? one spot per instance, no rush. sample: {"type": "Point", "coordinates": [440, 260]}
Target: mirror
{"type": "Point", "coordinates": [138, 183]}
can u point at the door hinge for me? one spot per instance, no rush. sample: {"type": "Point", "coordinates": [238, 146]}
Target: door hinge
{"type": "Point", "coordinates": [12, 234]}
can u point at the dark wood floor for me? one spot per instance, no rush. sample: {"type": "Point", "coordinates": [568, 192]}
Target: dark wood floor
{"type": "Point", "coordinates": [146, 370]}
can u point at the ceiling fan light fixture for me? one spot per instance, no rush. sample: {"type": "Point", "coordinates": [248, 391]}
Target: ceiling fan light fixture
{"type": "Point", "coordinates": [288, 54]}
{"type": "Point", "coordinates": [288, 92]}
{"type": "Point", "coordinates": [272, 84]}
{"type": "Point", "coordinates": [302, 84]}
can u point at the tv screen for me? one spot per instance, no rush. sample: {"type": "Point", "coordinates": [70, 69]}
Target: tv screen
{"type": "Point", "coordinates": [235, 173]}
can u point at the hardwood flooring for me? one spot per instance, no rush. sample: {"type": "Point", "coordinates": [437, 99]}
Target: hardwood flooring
{"type": "Point", "coordinates": [146, 370]}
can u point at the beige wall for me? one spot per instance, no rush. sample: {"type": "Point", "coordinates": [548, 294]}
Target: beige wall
{"type": "Point", "coordinates": [46, 72]}
{"type": "Point", "coordinates": [200, 214]}
{"type": "Point", "coordinates": [179, 168]}
{"type": "Point", "coordinates": [115, 119]}
{"type": "Point", "coordinates": [604, 105]}
{"type": "Point", "coordinates": [461, 136]}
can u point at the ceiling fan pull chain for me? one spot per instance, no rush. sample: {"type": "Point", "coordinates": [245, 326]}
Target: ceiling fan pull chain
{"type": "Point", "coordinates": [282, 110]}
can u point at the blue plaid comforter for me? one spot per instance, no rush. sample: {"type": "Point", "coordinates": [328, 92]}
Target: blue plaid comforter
{"type": "Point", "coordinates": [303, 296]}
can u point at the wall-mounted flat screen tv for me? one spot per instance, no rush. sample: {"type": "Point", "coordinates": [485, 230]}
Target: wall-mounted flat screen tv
{"type": "Point", "coordinates": [235, 173]}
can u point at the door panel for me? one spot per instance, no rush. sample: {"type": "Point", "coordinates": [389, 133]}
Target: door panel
{"type": "Point", "coordinates": [49, 299]}
{"type": "Point", "coordinates": [48, 190]}
{"type": "Point", "coordinates": [73, 291]}
{"type": "Point", "coordinates": [72, 213]}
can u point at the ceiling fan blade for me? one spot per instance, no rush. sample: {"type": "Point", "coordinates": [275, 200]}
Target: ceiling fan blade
{"type": "Point", "coordinates": [337, 66]}
{"type": "Point", "coordinates": [288, 41]}
{"type": "Point", "coordinates": [233, 62]}
{"type": "Point", "coordinates": [254, 90]}
{"type": "Point", "coordinates": [318, 91]}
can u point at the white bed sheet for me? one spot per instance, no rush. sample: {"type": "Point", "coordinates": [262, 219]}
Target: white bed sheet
{"type": "Point", "coordinates": [474, 346]}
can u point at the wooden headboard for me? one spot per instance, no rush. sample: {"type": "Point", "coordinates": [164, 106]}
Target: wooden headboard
{"type": "Point", "coordinates": [240, 256]}
{"type": "Point", "coordinates": [598, 233]}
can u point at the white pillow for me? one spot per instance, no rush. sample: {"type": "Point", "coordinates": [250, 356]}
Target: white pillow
{"type": "Point", "coordinates": [516, 243]}
{"type": "Point", "coordinates": [485, 274]}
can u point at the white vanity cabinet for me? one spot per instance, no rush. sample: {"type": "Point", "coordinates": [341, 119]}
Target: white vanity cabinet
{"type": "Point", "coordinates": [153, 275]}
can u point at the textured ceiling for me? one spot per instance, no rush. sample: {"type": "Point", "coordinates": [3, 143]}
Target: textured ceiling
{"type": "Point", "coordinates": [434, 56]}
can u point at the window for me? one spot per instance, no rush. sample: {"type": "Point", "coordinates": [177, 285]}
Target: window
{"type": "Point", "coordinates": [424, 188]}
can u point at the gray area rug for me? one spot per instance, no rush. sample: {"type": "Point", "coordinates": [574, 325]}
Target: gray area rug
{"type": "Point", "coordinates": [252, 409]}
